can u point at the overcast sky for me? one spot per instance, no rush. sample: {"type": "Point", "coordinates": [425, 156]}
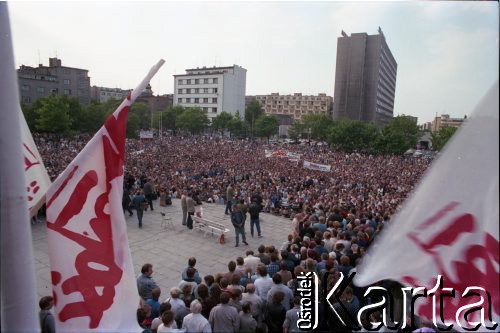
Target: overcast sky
{"type": "Point", "coordinates": [447, 52]}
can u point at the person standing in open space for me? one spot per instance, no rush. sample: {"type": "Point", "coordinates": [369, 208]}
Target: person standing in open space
{"type": "Point", "coordinates": [254, 210]}
{"type": "Point", "coordinates": [238, 221]}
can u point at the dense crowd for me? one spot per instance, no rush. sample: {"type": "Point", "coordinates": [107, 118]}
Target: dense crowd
{"type": "Point", "coordinates": [336, 214]}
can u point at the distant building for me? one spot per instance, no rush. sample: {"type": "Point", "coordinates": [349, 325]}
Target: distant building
{"type": "Point", "coordinates": [296, 105]}
{"type": "Point", "coordinates": [446, 121]}
{"type": "Point", "coordinates": [155, 103]}
{"type": "Point", "coordinates": [42, 81]}
{"type": "Point", "coordinates": [214, 90]}
{"type": "Point", "coordinates": [365, 78]}
{"type": "Point", "coordinates": [102, 94]}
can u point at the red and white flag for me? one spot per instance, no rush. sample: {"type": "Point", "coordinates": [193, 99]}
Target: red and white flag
{"type": "Point", "coordinates": [91, 266]}
{"type": "Point", "coordinates": [18, 284]}
{"type": "Point", "coordinates": [449, 227]}
{"type": "Point", "coordinates": [37, 179]}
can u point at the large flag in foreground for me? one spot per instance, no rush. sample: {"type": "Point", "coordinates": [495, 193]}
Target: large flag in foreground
{"type": "Point", "coordinates": [449, 226]}
{"type": "Point", "coordinates": [91, 265]}
{"type": "Point", "coordinates": [37, 179]}
{"type": "Point", "coordinates": [18, 284]}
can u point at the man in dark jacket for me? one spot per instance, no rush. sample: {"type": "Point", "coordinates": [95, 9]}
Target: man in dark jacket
{"type": "Point", "coordinates": [254, 211]}
{"type": "Point", "coordinates": [238, 221]}
{"type": "Point", "coordinates": [148, 192]}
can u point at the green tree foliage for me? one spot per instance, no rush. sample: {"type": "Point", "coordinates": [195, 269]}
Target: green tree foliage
{"type": "Point", "coordinates": [398, 136]}
{"type": "Point", "coordinates": [236, 126]}
{"type": "Point", "coordinates": [296, 131]}
{"type": "Point", "coordinates": [142, 110]}
{"type": "Point", "coordinates": [30, 114]}
{"type": "Point", "coordinates": [221, 121]}
{"type": "Point", "coordinates": [266, 126]}
{"type": "Point", "coordinates": [93, 119]}
{"type": "Point", "coordinates": [193, 120]}
{"type": "Point", "coordinates": [169, 119]}
{"type": "Point", "coordinates": [316, 126]}
{"type": "Point", "coordinates": [353, 135]}
{"type": "Point", "coordinates": [54, 115]}
{"type": "Point", "coordinates": [133, 125]}
{"type": "Point", "coordinates": [252, 112]}
{"type": "Point", "coordinates": [440, 138]}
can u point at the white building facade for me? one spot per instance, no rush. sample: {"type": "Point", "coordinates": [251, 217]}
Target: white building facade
{"type": "Point", "coordinates": [214, 90]}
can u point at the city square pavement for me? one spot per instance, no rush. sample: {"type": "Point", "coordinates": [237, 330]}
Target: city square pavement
{"type": "Point", "coordinates": [168, 249]}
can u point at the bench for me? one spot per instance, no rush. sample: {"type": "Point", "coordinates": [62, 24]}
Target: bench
{"type": "Point", "coordinates": [166, 222]}
{"type": "Point", "coordinates": [209, 227]}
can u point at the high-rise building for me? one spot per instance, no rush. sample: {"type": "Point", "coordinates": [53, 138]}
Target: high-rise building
{"type": "Point", "coordinates": [365, 78]}
{"type": "Point", "coordinates": [214, 90]}
{"type": "Point", "coordinates": [42, 81]}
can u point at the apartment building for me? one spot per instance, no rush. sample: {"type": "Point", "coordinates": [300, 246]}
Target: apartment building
{"type": "Point", "coordinates": [42, 81]}
{"type": "Point", "coordinates": [103, 94]}
{"type": "Point", "coordinates": [214, 89]}
{"type": "Point", "coordinates": [296, 105]}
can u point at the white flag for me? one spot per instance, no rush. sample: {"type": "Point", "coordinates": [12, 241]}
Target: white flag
{"type": "Point", "coordinates": [37, 179]}
{"type": "Point", "coordinates": [91, 266]}
{"type": "Point", "coordinates": [18, 284]}
{"type": "Point", "coordinates": [449, 226]}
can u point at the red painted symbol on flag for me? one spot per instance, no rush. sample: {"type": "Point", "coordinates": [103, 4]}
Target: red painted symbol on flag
{"type": "Point", "coordinates": [30, 159]}
{"type": "Point", "coordinates": [466, 267]}
{"type": "Point", "coordinates": [96, 252]}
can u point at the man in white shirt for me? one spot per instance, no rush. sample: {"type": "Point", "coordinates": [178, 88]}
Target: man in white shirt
{"type": "Point", "coordinates": [263, 283]}
{"type": "Point", "coordinates": [251, 261]}
{"type": "Point", "coordinates": [195, 322]}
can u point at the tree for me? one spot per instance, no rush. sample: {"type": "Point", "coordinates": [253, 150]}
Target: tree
{"type": "Point", "coordinates": [353, 135]}
{"type": "Point", "coordinates": [221, 121]}
{"type": "Point", "coordinates": [142, 110]}
{"type": "Point", "coordinates": [30, 114]}
{"type": "Point", "coordinates": [296, 131]}
{"type": "Point", "coordinates": [398, 136]}
{"type": "Point", "coordinates": [252, 112]}
{"type": "Point", "coordinates": [441, 137]}
{"type": "Point", "coordinates": [317, 125]}
{"type": "Point", "coordinates": [236, 126]}
{"type": "Point", "coordinates": [94, 116]}
{"type": "Point", "coordinates": [193, 120]}
{"type": "Point", "coordinates": [133, 125]}
{"type": "Point", "coordinates": [170, 117]}
{"type": "Point", "coordinates": [54, 115]}
{"type": "Point", "coordinates": [266, 126]}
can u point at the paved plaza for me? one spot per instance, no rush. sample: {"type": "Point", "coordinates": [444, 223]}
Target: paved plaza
{"type": "Point", "coordinates": [168, 249]}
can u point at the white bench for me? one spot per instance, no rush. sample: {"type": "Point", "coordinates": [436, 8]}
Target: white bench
{"type": "Point", "coordinates": [210, 227]}
{"type": "Point", "coordinates": [166, 222]}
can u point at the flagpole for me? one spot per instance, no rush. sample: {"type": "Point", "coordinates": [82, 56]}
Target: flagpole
{"type": "Point", "coordinates": [18, 283]}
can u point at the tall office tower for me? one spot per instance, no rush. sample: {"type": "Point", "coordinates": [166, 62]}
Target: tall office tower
{"type": "Point", "coordinates": [365, 78]}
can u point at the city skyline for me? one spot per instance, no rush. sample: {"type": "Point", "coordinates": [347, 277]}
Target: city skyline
{"type": "Point", "coordinates": [447, 52]}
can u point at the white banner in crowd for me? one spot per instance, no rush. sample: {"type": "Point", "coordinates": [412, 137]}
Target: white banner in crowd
{"type": "Point", "coordinates": [91, 265]}
{"type": "Point", "coordinates": [145, 134]}
{"type": "Point", "coordinates": [449, 227]}
{"type": "Point", "coordinates": [316, 166]}
{"type": "Point", "coordinates": [282, 153]}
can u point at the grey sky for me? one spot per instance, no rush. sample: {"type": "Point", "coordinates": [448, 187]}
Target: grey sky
{"type": "Point", "coordinates": [447, 52]}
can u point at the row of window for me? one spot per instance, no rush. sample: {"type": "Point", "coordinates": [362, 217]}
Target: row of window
{"type": "Point", "coordinates": [266, 98]}
{"type": "Point", "coordinates": [198, 81]}
{"type": "Point", "coordinates": [197, 100]}
{"type": "Point", "coordinates": [197, 91]}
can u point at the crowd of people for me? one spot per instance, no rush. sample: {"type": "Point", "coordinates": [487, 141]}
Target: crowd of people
{"type": "Point", "coordinates": [336, 214]}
